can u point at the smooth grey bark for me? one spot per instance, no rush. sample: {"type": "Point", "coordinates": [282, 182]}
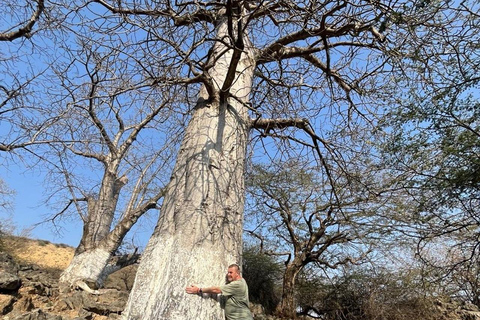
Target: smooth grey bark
{"type": "Point", "coordinates": [199, 232]}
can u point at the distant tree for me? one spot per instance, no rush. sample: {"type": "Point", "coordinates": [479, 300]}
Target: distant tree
{"type": "Point", "coordinates": [6, 195]}
{"type": "Point", "coordinates": [292, 213]}
{"type": "Point", "coordinates": [7, 225]}
{"type": "Point", "coordinates": [367, 293]}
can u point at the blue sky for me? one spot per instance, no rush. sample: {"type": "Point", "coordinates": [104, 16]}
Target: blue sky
{"type": "Point", "coordinates": [28, 211]}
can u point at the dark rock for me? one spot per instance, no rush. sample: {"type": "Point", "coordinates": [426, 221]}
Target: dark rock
{"type": "Point", "coordinates": [84, 314]}
{"type": "Point", "coordinates": [43, 283]}
{"type": "Point", "coordinates": [9, 282]}
{"type": "Point", "coordinates": [38, 315]}
{"type": "Point", "coordinates": [71, 302]}
{"type": "Point", "coordinates": [112, 301]}
{"type": "Point", "coordinates": [41, 288]}
{"type": "Point", "coordinates": [7, 264]}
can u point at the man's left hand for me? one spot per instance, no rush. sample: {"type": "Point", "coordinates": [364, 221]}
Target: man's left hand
{"type": "Point", "coordinates": [192, 289]}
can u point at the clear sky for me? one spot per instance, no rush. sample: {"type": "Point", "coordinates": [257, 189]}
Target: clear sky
{"type": "Point", "coordinates": [28, 211]}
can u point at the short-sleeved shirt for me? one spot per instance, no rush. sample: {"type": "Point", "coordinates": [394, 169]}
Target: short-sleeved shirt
{"type": "Point", "coordinates": [236, 304]}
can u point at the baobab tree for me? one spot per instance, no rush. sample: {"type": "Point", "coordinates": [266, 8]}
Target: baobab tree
{"type": "Point", "coordinates": [298, 71]}
{"type": "Point", "coordinates": [261, 65]}
{"type": "Point", "coordinates": [78, 113]}
{"type": "Point", "coordinates": [102, 126]}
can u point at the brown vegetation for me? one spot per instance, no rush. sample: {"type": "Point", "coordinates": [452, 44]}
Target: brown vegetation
{"type": "Point", "coordinates": [39, 252]}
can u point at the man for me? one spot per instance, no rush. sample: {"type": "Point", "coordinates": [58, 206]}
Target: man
{"type": "Point", "coordinates": [235, 291]}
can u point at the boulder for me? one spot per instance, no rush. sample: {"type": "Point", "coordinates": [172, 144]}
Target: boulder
{"type": "Point", "coordinates": [9, 282]}
{"type": "Point", "coordinates": [111, 301]}
{"type": "Point", "coordinates": [7, 264]}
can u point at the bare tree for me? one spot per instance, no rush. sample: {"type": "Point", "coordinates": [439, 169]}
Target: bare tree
{"type": "Point", "coordinates": [300, 72]}
{"type": "Point", "coordinates": [267, 58]}
{"type": "Point", "coordinates": [287, 69]}
{"type": "Point", "coordinates": [77, 112]}
{"type": "Point", "coordinates": [6, 196]}
{"type": "Point", "coordinates": [23, 22]}
{"type": "Point", "coordinates": [102, 125]}
{"type": "Point", "coordinates": [292, 214]}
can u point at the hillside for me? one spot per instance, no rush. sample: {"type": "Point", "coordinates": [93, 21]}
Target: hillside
{"type": "Point", "coordinates": [37, 265]}
{"type": "Point", "coordinates": [38, 252]}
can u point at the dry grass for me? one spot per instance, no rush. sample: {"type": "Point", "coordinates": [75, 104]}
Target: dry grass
{"type": "Point", "coordinates": [42, 253]}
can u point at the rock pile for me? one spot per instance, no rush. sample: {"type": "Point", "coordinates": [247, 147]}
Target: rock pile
{"type": "Point", "coordinates": [28, 292]}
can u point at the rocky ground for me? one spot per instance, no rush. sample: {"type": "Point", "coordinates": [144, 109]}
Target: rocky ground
{"type": "Point", "coordinates": [29, 272]}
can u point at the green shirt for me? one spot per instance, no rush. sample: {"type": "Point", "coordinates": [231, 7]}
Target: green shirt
{"type": "Point", "coordinates": [236, 303]}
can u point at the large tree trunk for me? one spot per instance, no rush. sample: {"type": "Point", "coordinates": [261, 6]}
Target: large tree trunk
{"type": "Point", "coordinates": [199, 232]}
{"type": "Point", "coordinates": [88, 267]}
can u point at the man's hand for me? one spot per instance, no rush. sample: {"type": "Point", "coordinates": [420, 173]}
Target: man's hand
{"type": "Point", "coordinates": [192, 289]}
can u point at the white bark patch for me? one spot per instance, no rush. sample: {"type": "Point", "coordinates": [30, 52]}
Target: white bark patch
{"type": "Point", "coordinates": [167, 268]}
{"type": "Point", "coordinates": [88, 267]}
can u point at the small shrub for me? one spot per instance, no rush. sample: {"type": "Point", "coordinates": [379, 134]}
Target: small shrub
{"type": "Point", "coordinates": [43, 242]}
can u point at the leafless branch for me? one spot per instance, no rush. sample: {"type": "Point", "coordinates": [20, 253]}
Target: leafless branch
{"type": "Point", "coordinates": [26, 30]}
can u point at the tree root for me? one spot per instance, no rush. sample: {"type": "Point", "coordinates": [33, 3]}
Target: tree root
{"type": "Point", "coordinates": [82, 285]}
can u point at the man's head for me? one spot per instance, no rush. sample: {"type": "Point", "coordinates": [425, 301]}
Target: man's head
{"type": "Point", "coordinates": [233, 273]}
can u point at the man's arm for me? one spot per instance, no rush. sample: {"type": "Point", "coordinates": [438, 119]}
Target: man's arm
{"type": "Point", "coordinates": [195, 290]}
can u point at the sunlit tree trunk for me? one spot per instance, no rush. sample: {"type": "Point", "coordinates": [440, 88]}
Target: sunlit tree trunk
{"type": "Point", "coordinates": [91, 263]}
{"type": "Point", "coordinates": [87, 267]}
{"type": "Point", "coordinates": [91, 257]}
{"type": "Point", "coordinates": [199, 232]}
